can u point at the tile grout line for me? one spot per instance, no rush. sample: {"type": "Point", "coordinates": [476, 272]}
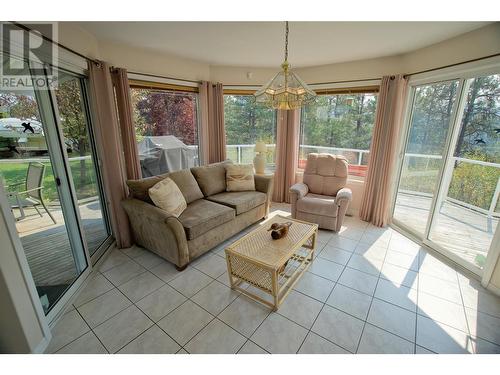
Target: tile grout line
{"type": "Point", "coordinates": [469, 334]}
{"type": "Point", "coordinates": [90, 330]}
{"type": "Point", "coordinates": [323, 306]}
{"type": "Point", "coordinates": [371, 302]}
{"type": "Point", "coordinates": [417, 307]}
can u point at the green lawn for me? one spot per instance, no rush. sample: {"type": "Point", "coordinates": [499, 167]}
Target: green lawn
{"type": "Point", "coordinates": [13, 173]}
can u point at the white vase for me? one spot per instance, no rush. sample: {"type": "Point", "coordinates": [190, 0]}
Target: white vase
{"type": "Point", "coordinates": [259, 163]}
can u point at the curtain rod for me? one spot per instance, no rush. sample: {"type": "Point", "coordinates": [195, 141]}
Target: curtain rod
{"type": "Point", "coordinates": [316, 83]}
{"type": "Point", "coordinates": [26, 28]}
{"type": "Point", "coordinates": [165, 77]}
{"type": "Point", "coordinates": [346, 81]}
{"type": "Point", "coordinates": [451, 65]}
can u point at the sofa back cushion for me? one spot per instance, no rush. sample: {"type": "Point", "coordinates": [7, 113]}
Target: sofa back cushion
{"type": "Point", "coordinates": [187, 184]}
{"type": "Point", "coordinates": [167, 196]}
{"type": "Point", "coordinates": [184, 179]}
{"type": "Point", "coordinates": [239, 177]}
{"type": "Point", "coordinates": [325, 174]}
{"type": "Point", "coordinates": [211, 178]}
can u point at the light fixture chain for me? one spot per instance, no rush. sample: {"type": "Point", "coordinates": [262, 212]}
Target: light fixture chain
{"type": "Point", "coordinates": [286, 40]}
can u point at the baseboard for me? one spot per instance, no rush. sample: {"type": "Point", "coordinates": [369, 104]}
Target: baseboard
{"type": "Point", "coordinates": [493, 289]}
{"type": "Point", "coordinates": [352, 213]}
{"type": "Point", "coordinates": [42, 346]}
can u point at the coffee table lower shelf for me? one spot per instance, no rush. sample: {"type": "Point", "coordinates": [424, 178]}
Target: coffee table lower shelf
{"type": "Point", "coordinates": [275, 282]}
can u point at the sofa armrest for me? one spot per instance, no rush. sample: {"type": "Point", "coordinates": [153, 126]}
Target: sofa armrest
{"type": "Point", "coordinates": [157, 230]}
{"type": "Point", "coordinates": [342, 200]}
{"type": "Point", "coordinates": [265, 184]}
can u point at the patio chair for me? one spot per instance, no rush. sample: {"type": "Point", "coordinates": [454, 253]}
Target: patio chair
{"type": "Point", "coordinates": [322, 198]}
{"type": "Point", "coordinates": [32, 195]}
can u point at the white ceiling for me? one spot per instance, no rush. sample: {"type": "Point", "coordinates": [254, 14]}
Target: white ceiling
{"type": "Point", "coordinates": [261, 44]}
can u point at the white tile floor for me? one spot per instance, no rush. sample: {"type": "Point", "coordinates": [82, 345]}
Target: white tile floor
{"type": "Point", "coordinates": [369, 290]}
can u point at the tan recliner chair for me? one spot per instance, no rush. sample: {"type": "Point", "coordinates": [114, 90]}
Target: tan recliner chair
{"type": "Point", "coordinates": [322, 198]}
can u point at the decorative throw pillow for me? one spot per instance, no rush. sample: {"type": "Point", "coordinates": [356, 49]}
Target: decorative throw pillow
{"type": "Point", "coordinates": [239, 177]}
{"type": "Point", "coordinates": [167, 196]}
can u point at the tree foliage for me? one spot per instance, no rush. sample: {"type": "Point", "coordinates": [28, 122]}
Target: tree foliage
{"type": "Point", "coordinates": [247, 122]}
{"type": "Point", "coordinates": [341, 121]}
{"type": "Point", "coordinates": [21, 106]}
{"type": "Point", "coordinates": [72, 118]}
{"type": "Point", "coordinates": [158, 113]}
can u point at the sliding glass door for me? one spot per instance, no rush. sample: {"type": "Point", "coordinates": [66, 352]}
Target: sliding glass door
{"type": "Point", "coordinates": [32, 167]}
{"type": "Point", "coordinates": [467, 210]}
{"type": "Point", "coordinates": [49, 169]}
{"type": "Point", "coordinates": [77, 136]}
{"type": "Point", "coordinates": [449, 182]}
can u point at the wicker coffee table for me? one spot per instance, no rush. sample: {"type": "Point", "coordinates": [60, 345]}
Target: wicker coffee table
{"type": "Point", "coordinates": [273, 266]}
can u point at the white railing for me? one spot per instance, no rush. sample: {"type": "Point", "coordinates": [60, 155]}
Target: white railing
{"type": "Point", "coordinates": [39, 160]}
{"type": "Point", "coordinates": [494, 199]}
{"type": "Point", "coordinates": [241, 148]}
{"type": "Point", "coordinates": [342, 151]}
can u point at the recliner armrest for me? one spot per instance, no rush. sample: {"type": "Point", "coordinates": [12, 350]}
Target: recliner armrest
{"type": "Point", "coordinates": [342, 200]}
{"type": "Point", "coordinates": [343, 195]}
{"type": "Point", "coordinates": [300, 189]}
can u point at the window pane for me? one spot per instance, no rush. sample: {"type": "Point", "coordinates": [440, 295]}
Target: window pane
{"type": "Point", "coordinates": [76, 134]}
{"type": "Point", "coordinates": [246, 123]}
{"type": "Point", "coordinates": [423, 159]}
{"type": "Point", "coordinates": [339, 124]}
{"type": "Point", "coordinates": [166, 129]}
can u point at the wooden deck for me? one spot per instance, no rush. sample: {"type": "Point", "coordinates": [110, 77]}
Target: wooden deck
{"type": "Point", "coordinates": [47, 246]}
{"type": "Point", "coordinates": [465, 232]}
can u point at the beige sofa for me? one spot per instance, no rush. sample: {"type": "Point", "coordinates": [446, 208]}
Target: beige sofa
{"type": "Point", "coordinates": [322, 198]}
{"type": "Point", "coordinates": [212, 215]}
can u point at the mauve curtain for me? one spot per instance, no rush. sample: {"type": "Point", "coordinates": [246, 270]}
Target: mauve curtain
{"type": "Point", "coordinates": [287, 148]}
{"type": "Point", "coordinates": [213, 133]}
{"type": "Point", "coordinates": [125, 118]}
{"type": "Point", "coordinates": [110, 149]}
{"type": "Point", "coordinates": [381, 163]}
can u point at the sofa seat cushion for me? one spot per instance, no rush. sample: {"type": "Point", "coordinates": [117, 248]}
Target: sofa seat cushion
{"type": "Point", "coordinates": [241, 201]}
{"type": "Point", "coordinates": [202, 215]}
{"type": "Point", "coordinates": [318, 204]}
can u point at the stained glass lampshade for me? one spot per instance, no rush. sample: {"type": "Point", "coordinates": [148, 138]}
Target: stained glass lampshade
{"type": "Point", "coordinates": [285, 91]}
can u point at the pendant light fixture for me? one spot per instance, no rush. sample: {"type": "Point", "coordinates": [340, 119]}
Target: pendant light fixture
{"type": "Point", "coordinates": [285, 90]}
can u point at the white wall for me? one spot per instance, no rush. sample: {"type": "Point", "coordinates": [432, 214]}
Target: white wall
{"type": "Point", "coordinates": [21, 330]}
{"type": "Point", "coordinates": [78, 39]}
{"type": "Point", "coordinates": [134, 59]}
{"type": "Point", "coordinates": [147, 61]}
{"type": "Point", "coordinates": [472, 45]}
